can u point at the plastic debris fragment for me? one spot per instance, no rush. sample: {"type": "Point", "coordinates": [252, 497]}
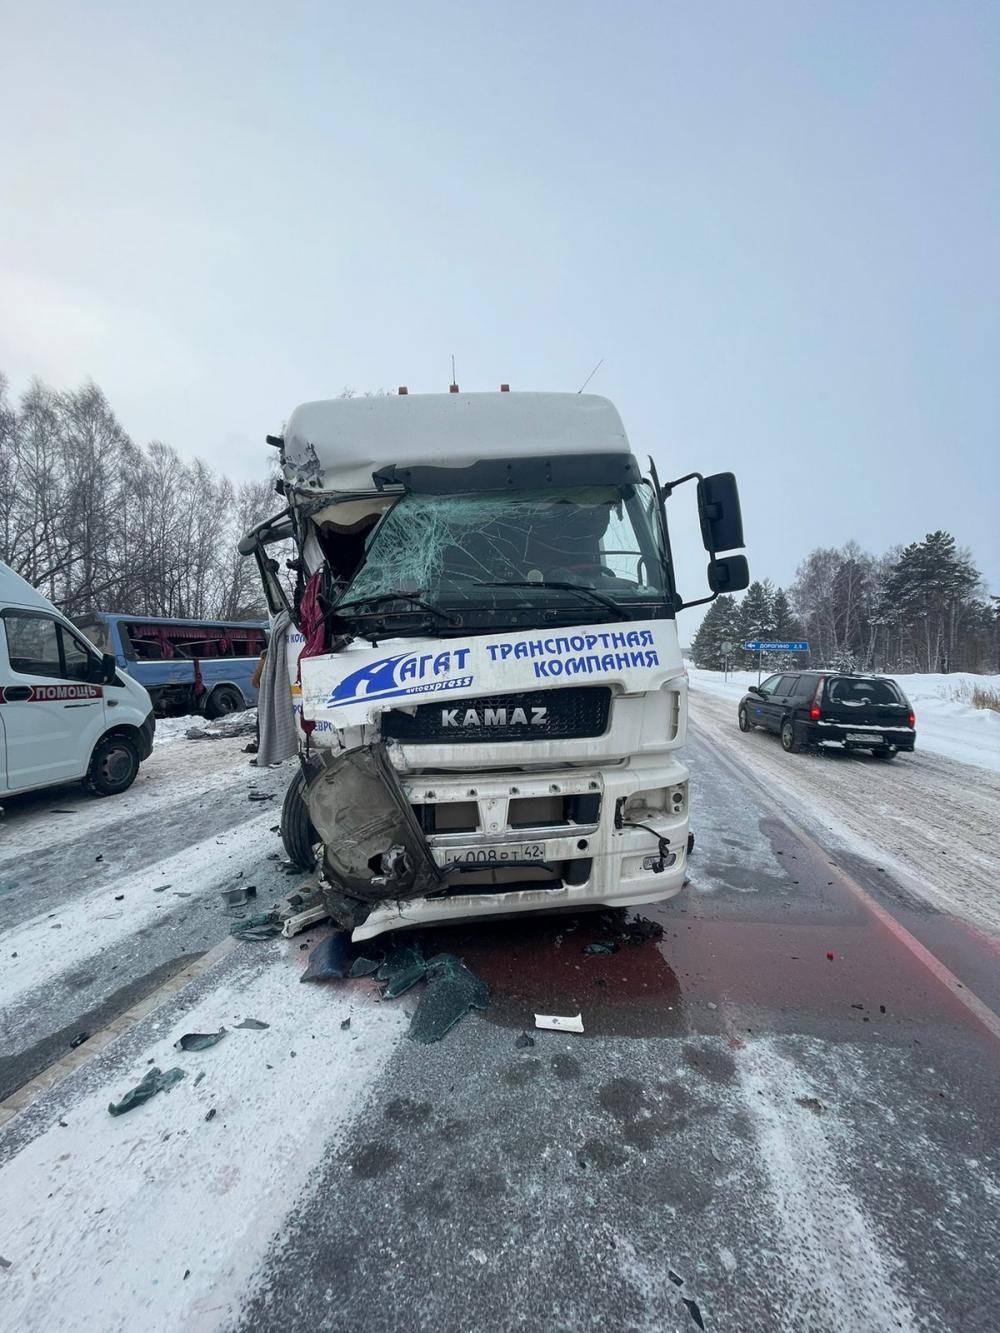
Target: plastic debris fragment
{"type": "Point", "coordinates": [601, 947]}
{"type": "Point", "coordinates": [554, 1023]}
{"type": "Point", "coordinates": [452, 991]}
{"type": "Point", "coordinates": [524, 1041]}
{"type": "Point", "coordinates": [259, 926]}
{"type": "Point", "coordinates": [364, 967]}
{"type": "Point", "coordinates": [238, 897]}
{"type": "Point", "coordinates": [401, 968]}
{"type": "Point", "coordinates": [253, 1023]}
{"type": "Point", "coordinates": [199, 1041]}
{"type": "Point", "coordinates": [330, 959]}
{"type": "Point", "coordinates": [154, 1081]}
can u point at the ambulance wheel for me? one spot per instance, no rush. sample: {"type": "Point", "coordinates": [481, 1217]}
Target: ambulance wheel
{"type": "Point", "coordinates": [224, 699]}
{"type": "Point", "coordinates": [297, 832]}
{"type": "Point", "coordinates": [113, 766]}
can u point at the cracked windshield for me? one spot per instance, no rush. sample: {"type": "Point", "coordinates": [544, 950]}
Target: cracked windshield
{"type": "Point", "coordinates": [605, 538]}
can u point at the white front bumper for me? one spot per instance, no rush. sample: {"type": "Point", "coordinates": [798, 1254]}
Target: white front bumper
{"type": "Point", "coordinates": [617, 875]}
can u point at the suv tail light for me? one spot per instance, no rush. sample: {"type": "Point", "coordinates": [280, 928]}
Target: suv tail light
{"type": "Point", "coordinates": [814, 710]}
{"type": "Point", "coordinates": [912, 718]}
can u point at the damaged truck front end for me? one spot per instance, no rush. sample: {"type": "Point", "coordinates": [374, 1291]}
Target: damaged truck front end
{"type": "Point", "coordinates": [483, 655]}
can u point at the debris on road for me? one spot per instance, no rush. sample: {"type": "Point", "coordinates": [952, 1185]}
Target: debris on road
{"type": "Point", "coordinates": [811, 1104]}
{"type": "Point", "coordinates": [330, 960]}
{"type": "Point", "coordinates": [554, 1023]}
{"type": "Point", "coordinates": [154, 1081]}
{"type": "Point", "coordinates": [260, 795]}
{"type": "Point", "coordinates": [452, 991]}
{"type": "Point", "coordinates": [345, 1023]}
{"type": "Point", "coordinates": [78, 1040]}
{"type": "Point", "coordinates": [254, 1024]}
{"type": "Point", "coordinates": [299, 921]}
{"type": "Point", "coordinates": [402, 968]}
{"type": "Point", "coordinates": [211, 1114]}
{"type": "Point", "coordinates": [260, 926]}
{"type": "Point", "coordinates": [600, 947]}
{"type": "Point", "coordinates": [238, 897]}
{"type": "Point", "coordinates": [224, 731]}
{"type": "Point", "coordinates": [524, 1041]}
{"type": "Point", "coordinates": [693, 1311]}
{"type": "Point", "coordinates": [199, 1041]}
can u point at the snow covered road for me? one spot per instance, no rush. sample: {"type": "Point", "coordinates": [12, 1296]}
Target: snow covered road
{"type": "Point", "coordinates": [782, 1115]}
{"type": "Point", "coordinates": [103, 900]}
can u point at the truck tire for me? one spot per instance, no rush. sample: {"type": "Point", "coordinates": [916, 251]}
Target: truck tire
{"type": "Point", "coordinates": [113, 766]}
{"type": "Point", "coordinates": [297, 832]}
{"type": "Point", "coordinates": [224, 699]}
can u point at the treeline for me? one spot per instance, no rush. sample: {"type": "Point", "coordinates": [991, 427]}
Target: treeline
{"type": "Point", "coordinates": [98, 522]}
{"type": "Point", "coordinates": [921, 607]}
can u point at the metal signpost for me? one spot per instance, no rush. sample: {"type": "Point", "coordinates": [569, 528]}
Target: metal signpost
{"type": "Point", "coordinates": [727, 646]}
{"type": "Point", "coordinates": [761, 646]}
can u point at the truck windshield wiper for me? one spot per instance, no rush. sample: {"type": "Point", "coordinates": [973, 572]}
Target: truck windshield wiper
{"type": "Point", "coordinates": [582, 588]}
{"type": "Point", "coordinates": [415, 598]}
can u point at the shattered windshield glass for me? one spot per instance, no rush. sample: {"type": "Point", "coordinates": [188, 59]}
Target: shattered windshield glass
{"type": "Point", "coordinates": [452, 546]}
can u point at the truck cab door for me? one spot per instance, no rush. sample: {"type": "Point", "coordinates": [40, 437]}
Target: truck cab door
{"type": "Point", "coordinates": [52, 714]}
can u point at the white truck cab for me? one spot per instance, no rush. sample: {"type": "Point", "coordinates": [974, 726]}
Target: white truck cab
{"type": "Point", "coordinates": [66, 713]}
{"type": "Point", "coordinates": [494, 698]}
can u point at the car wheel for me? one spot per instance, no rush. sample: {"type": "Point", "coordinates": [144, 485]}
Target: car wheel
{"type": "Point", "coordinates": [788, 742]}
{"type": "Point", "coordinates": [745, 723]}
{"type": "Point", "coordinates": [297, 832]}
{"type": "Point", "coordinates": [885, 752]}
{"type": "Point", "coordinates": [113, 766]}
{"type": "Point", "coordinates": [223, 700]}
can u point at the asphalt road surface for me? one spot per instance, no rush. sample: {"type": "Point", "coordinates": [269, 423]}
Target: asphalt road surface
{"type": "Point", "coordinates": [782, 1115]}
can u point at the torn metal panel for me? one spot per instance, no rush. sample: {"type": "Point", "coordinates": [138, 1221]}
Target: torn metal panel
{"type": "Point", "coordinates": [374, 848]}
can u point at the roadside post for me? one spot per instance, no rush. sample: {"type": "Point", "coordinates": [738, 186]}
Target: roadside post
{"type": "Point", "coordinates": [760, 647]}
{"type": "Point", "coordinates": [727, 649]}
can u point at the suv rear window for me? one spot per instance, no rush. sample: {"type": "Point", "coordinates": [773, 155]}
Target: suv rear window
{"type": "Point", "coordinates": [855, 692]}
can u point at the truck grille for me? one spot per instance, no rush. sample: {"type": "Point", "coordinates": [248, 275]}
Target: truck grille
{"type": "Point", "coordinates": [535, 715]}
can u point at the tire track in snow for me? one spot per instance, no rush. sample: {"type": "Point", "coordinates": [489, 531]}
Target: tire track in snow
{"type": "Point", "coordinates": [841, 1272]}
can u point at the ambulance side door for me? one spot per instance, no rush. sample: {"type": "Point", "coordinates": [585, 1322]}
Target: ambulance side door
{"type": "Point", "coordinates": [52, 717]}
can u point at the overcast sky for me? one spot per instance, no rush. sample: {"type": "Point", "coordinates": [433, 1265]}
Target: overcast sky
{"type": "Point", "coordinates": [777, 223]}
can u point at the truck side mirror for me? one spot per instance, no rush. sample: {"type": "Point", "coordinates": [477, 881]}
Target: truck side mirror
{"type": "Point", "coordinates": [728, 573]}
{"type": "Point", "coordinates": [719, 511]}
{"type": "Point", "coordinates": [109, 668]}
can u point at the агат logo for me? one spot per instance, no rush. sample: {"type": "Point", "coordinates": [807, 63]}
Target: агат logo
{"type": "Point", "coordinates": [406, 673]}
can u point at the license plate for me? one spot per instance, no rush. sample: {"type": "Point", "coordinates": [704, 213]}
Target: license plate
{"type": "Point", "coordinates": [495, 856]}
{"type": "Point", "coordinates": [866, 737]}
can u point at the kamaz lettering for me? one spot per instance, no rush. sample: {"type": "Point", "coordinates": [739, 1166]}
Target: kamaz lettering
{"type": "Point", "coordinates": [494, 717]}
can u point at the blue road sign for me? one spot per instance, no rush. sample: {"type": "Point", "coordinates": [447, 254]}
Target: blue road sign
{"type": "Point", "coordinates": [766, 646]}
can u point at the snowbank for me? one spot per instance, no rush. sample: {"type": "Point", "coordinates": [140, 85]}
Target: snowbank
{"type": "Point", "coordinates": [176, 728]}
{"type": "Point", "coordinates": [946, 725]}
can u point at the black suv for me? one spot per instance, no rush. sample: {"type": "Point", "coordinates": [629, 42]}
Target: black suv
{"type": "Point", "coordinates": [831, 708]}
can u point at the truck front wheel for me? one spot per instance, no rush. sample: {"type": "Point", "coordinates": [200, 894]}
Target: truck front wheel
{"type": "Point", "coordinates": [297, 832]}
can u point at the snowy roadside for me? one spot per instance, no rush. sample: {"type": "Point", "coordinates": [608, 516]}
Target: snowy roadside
{"type": "Point", "coordinates": [946, 725]}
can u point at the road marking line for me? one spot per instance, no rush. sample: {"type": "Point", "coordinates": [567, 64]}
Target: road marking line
{"type": "Point", "coordinates": [940, 971]}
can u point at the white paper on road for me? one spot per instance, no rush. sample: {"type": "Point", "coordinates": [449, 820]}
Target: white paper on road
{"type": "Point", "coordinates": [553, 1023]}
